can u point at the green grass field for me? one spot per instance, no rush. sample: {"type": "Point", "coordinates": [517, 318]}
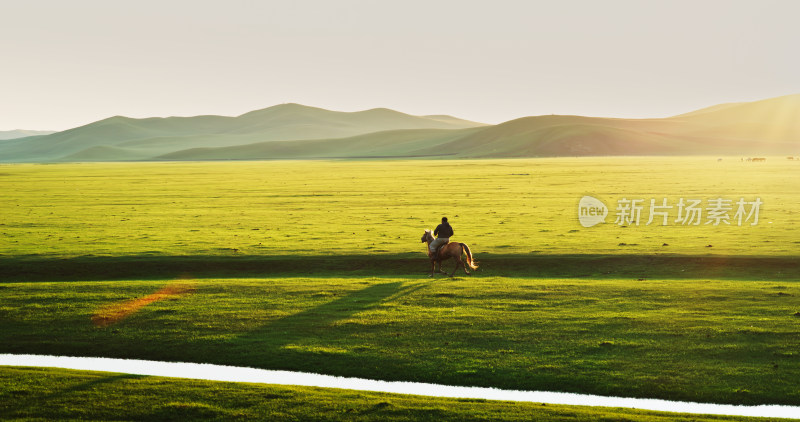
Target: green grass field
{"type": "Point", "coordinates": [318, 266]}
{"type": "Point", "coordinates": [313, 208]}
{"type": "Point", "coordinates": [706, 340]}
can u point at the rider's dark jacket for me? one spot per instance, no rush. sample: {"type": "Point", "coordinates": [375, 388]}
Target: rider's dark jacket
{"type": "Point", "coordinates": [443, 230]}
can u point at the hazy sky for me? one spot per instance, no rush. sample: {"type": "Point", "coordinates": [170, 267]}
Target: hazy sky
{"type": "Point", "coordinates": [68, 63]}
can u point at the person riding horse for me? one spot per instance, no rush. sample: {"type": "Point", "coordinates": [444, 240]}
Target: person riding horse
{"type": "Point", "coordinates": [443, 232]}
{"type": "Point", "coordinates": [440, 249]}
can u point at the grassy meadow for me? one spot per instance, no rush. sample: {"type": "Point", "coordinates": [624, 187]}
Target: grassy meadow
{"type": "Point", "coordinates": [307, 208]}
{"type": "Point", "coordinates": [318, 266]}
{"type": "Point", "coordinates": [694, 340]}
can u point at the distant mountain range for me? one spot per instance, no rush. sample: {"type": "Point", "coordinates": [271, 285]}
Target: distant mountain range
{"type": "Point", "coordinates": [123, 138]}
{"type": "Point", "coordinates": [21, 133]}
{"type": "Point", "coordinates": [290, 131]}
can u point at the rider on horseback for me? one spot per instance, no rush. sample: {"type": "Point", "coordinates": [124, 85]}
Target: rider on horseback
{"type": "Point", "coordinates": [443, 232]}
{"type": "Point", "coordinates": [440, 249]}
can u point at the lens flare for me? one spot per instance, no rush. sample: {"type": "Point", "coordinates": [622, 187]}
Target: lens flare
{"type": "Point", "coordinates": [115, 312]}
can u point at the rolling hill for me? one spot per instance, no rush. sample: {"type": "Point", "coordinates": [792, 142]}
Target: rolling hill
{"type": "Point", "coordinates": [759, 128]}
{"type": "Point", "coordinates": [292, 131]}
{"type": "Point", "coordinates": [124, 138]}
{"type": "Point", "coordinates": [22, 133]}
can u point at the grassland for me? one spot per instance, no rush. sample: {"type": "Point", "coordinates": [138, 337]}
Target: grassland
{"type": "Point", "coordinates": [311, 208]}
{"type": "Point", "coordinates": [727, 342]}
{"type": "Point", "coordinates": [76, 395]}
{"type": "Point", "coordinates": [694, 340]}
{"type": "Point", "coordinates": [317, 266]}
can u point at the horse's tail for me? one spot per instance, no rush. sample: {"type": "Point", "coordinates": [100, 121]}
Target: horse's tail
{"type": "Point", "coordinates": [471, 262]}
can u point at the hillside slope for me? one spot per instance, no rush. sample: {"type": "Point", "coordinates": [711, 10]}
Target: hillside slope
{"type": "Point", "coordinates": [22, 133]}
{"type": "Point", "coordinates": [124, 138]}
{"type": "Point", "coordinates": [759, 128]}
{"type": "Point", "coordinates": [760, 122]}
{"type": "Point", "coordinates": [400, 143]}
{"type": "Point", "coordinates": [289, 131]}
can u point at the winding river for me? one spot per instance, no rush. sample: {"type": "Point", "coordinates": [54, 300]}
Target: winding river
{"type": "Point", "coordinates": [252, 375]}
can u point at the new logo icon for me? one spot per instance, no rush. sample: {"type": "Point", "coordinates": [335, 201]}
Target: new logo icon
{"type": "Point", "coordinates": [591, 211]}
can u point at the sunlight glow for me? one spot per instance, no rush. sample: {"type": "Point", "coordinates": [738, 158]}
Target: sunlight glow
{"type": "Point", "coordinates": [115, 312]}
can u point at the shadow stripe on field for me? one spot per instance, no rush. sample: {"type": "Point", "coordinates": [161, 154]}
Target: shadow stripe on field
{"type": "Point", "coordinates": [596, 266]}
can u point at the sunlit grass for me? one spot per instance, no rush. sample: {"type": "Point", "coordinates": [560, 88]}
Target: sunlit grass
{"type": "Point", "coordinates": [368, 207]}
{"type": "Point", "coordinates": [317, 266]}
{"type": "Point", "coordinates": [695, 340]}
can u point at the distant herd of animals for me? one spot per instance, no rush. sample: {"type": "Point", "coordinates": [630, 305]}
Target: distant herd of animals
{"type": "Point", "coordinates": [762, 159]}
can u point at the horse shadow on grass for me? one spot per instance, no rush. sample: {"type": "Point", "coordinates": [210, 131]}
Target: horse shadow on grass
{"type": "Point", "coordinates": [328, 338]}
{"type": "Point", "coordinates": [350, 337]}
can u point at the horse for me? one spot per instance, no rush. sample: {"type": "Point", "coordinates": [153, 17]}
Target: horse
{"type": "Point", "coordinates": [450, 250]}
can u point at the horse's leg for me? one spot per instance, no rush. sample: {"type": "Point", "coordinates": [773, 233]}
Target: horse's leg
{"type": "Point", "coordinates": [458, 263]}
{"type": "Point", "coordinates": [463, 263]}
{"type": "Point", "coordinates": [433, 266]}
{"type": "Point", "coordinates": [439, 261]}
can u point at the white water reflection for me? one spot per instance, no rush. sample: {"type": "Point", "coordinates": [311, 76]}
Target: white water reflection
{"type": "Point", "coordinates": [240, 374]}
